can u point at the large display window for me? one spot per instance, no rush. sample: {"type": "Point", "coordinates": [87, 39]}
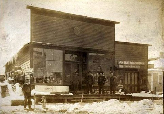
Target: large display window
{"type": "Point", "coordinates": [48, 66]}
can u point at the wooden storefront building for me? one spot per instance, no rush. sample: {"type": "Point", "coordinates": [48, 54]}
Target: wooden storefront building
{"type": "Point", "coordinates": [62, 44]}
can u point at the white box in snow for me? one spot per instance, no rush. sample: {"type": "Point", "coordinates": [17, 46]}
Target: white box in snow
{"type": "Point", "coordinates": [57, 89]}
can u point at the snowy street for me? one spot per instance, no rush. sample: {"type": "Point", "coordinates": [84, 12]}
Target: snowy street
{"type": "Point", "coordinates": [112, 106]}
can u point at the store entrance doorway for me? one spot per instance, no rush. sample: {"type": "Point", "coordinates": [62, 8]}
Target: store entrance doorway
{"type": "Point", "coordinates": [75, 67]}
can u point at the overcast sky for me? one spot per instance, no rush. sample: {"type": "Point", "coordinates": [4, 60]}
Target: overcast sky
{"type": "Point", "coordinates": [140, 21]}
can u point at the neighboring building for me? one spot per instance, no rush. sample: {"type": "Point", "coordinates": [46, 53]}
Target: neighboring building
{"type": "Point", "coordinates": [62, 44]}
{"type": "Point", "coordinates": [131, 61]}
{"type": "Point", "coordinates": [155, 78]}
{"type": "Point", "coordinates": [156, 73]}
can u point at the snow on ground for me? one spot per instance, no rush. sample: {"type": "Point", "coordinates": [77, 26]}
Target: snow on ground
{"type": "Point", "coordinates": [13, 95]}
{"type": "Point", "coordinates": [112, 106]}
{"type": "Point", "coordinates": [144, 94]}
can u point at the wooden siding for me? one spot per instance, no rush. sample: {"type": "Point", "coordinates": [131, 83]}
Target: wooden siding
{"type": "Point", "coordinates": [131, 52]}
{"type": "Point", "coordinates": [23, 56]}
{"type": "Point", "coordinates": [67, 32]}
{"type": "Point", "coordinates": [64, 15]}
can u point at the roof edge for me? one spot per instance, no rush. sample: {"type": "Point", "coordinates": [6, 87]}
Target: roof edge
{"type": "Point", "coordinates": [71, 16]}
{"type": "Point", "coordinates": [132, 43]}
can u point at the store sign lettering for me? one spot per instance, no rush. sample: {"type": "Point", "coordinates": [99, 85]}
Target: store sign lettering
{"type": "Point", "coordinates": [130, 64]}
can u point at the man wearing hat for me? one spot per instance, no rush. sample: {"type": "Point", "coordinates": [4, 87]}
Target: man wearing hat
{"type": "Point", "coordinates": [27, 93]}
{"type": "Point", "coordinates": [113, 84]}
{"type": "Point", "coordinates": [75, 82]}
{"type": "Point", "coordinates": [101, 82]}
{"type": "Point", "coordinates": [89, 82]}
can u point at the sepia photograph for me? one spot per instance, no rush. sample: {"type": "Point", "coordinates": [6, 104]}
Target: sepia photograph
{"type": "Point", "coordinates": [81, 56]}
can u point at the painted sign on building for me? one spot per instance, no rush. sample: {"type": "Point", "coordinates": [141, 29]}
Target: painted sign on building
{"type": "Point", "coordinates": [130, 64]}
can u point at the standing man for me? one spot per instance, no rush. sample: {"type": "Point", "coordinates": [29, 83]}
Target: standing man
{"type": "Point", "coordinates": [101, 82]}
{"type": "Point", "coordinates": [75, 82]}
{"type": "Point", "coordinates": [112, 84]}
{"type": "Point", "coordinates": [27, 93]}
{"type": "Point", "coordinates": [89, 82]}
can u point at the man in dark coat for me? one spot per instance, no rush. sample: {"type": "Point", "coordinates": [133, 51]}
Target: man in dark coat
{"type": "Point", "coordinates": [75, 82]}
{"type": "Point", "coordinates": [27, 93]}
{"type": "Point", "coordinates": [101, 82]}
{"type": "Point", "coordinates": [89, 82]}
{"type": "Point", "coordinates": [112, 84]}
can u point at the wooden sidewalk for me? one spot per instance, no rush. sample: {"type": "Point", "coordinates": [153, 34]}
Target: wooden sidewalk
{"type": "Point", "coordinates": [89, 98]}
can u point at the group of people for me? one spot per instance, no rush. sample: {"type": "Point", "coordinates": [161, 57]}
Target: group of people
{"type": "Point", "coordinates": [101, 82]}
{"type": "Point", "coordinates": [89, 80]}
